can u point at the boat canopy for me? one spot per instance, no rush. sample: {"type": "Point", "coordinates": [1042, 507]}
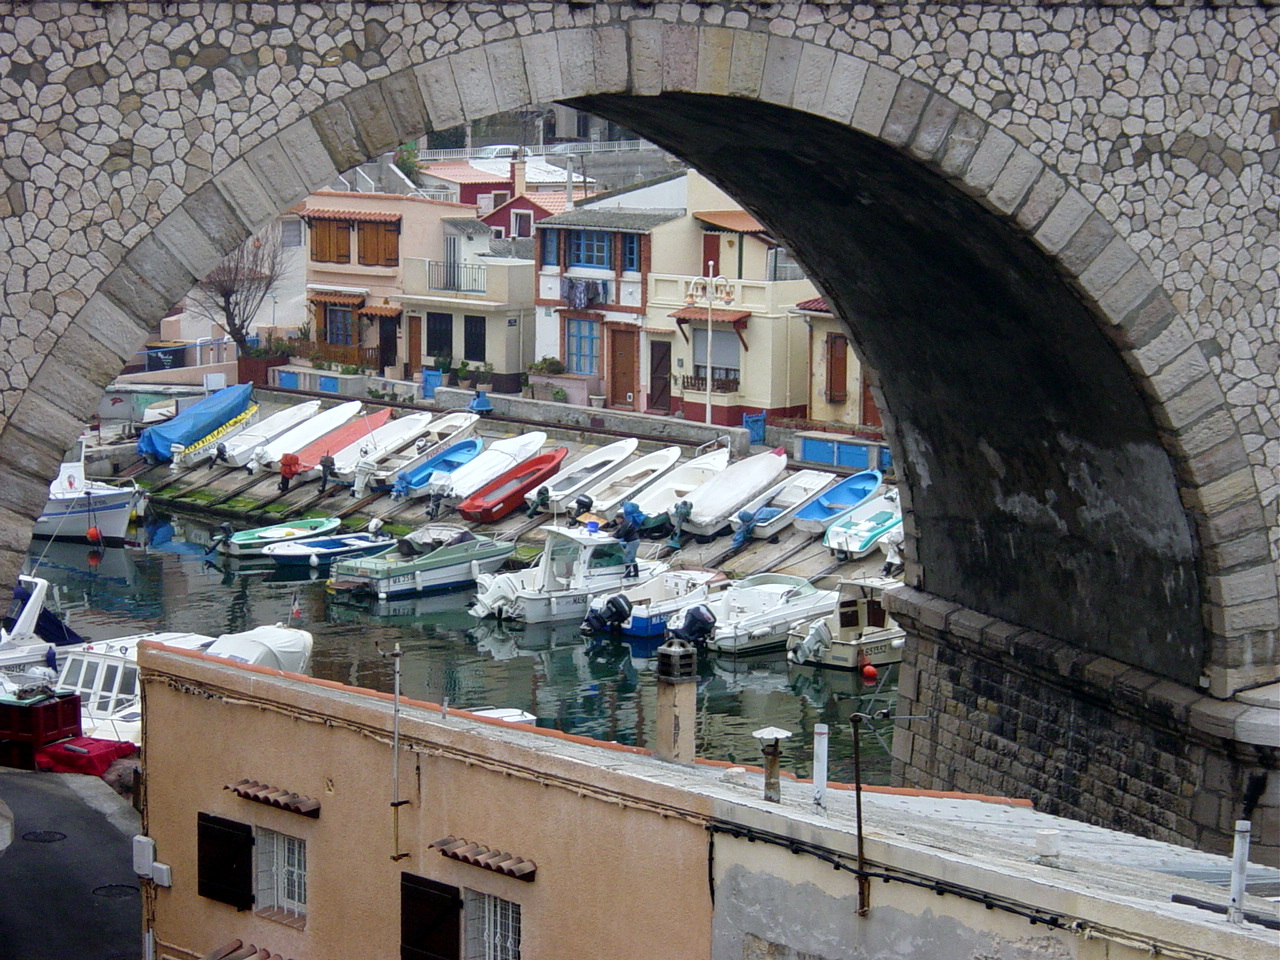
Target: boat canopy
{"type": "Point", "coordinates": [283, 648]}
{"type": "Point", "coordinates": [194, 423]}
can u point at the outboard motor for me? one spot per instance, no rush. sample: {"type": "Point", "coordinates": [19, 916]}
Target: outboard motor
{"type": "Point", "coordinates": [437, 501]}
{"type": "Point", "coordinates": [581, 504]}
{"type": "Point", "coordinates": [540, 503]}
{"type": "Point", "coordinates": [746, 523]}
{"type": "Point", "coordinates": [698, 626]}
{"type": "Point", "coordinates": [219, 455]}
{"type": "Point", "coordinates": [814, 645]}
{"type": "Point", "coordinates": [610, 616]}
{"type": "Point", "coordinates": [678, 514]}
{"type": "Point", "coordinates": [326, 471]}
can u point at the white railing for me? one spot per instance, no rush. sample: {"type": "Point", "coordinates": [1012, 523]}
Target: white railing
{"type": "Point", "coordinates": [597, 146]}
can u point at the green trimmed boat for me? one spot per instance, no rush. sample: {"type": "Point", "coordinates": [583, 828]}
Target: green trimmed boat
{"type": "Point", "coordinates": [250, 543]}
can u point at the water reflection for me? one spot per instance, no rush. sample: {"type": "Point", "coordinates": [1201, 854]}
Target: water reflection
{"type": "Point", "coordinates": [601, 687]}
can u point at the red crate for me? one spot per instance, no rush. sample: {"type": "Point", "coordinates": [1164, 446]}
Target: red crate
{"type": "Point", "coordinates": [89, 755]}
{"type": "Point", "coordinates": [37, 724]}
{"type": "Point", "coordinates": [20, 755]}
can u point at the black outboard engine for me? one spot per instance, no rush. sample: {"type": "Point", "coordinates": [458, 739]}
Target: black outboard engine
{"type": "Point", "coordinates": [610, 617]}
{"type": "Point", "coordinates": [581, 504]}
{"type": "Point", "coordinates": [698, 626]}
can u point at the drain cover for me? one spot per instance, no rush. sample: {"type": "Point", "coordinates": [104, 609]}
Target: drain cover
{"type": "Point", "coordinates": [116, 891]}
{"type": "Point", "coordinates": [44, 836]}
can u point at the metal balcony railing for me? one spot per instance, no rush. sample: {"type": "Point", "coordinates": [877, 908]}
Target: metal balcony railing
{"type": "Point", "coordinates": [456, 277]}
{"type": "Point", "coordinates": [718, 384]}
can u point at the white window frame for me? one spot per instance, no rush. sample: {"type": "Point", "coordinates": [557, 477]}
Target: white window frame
{"type": "Point", "coordinates": [519, 217]}
{"type": "Point", "coordinates": [491, 927]}
{"type": "Point", "coordinates": [280, 873]}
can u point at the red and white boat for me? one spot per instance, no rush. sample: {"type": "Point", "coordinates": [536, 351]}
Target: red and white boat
{"type": "Point", "coordinates": [335, 441]}
{"type": "Point", "coordinates": [503, 494]}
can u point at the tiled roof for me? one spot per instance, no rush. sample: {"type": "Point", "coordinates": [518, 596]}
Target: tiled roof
{"type": "Point", "coordinates": [239, 950]}
{"type": "Point", "coordinates": [816, 305]}
{"type": "Point", "coordinates": [695, 313]}
{"type": "Point", "coordinates": [478, 855]}
{"type": "Point", "coordinates": [380, 310]}
{"type": "Point", "coordinates": [632, 221]}
{"type": "Point", "coordinates": [275, 797]}
{"type": "Point", "coordinates": [468, 225]}
{"type": "Point", "coordinates": [517, 248]}
{"type": "Point", "coordinates": [536, 170]}
{"type": "Point", "coordinates": [463, 172]}
{"type": "Point", "coordinates": [337, 299]}
{"type": "Point", "coordinates": [739, 221]}
{"type": "Point", "coordinates": [364, 216]}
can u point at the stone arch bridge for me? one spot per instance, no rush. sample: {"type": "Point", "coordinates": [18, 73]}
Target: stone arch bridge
{"type": "Point", "coordinates": [1052, 230]}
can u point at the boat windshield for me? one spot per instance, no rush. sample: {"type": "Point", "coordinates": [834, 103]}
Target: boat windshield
{"type": "Point", "coordinates": [606, 555]}
{"type": "Point", "coordinates": [560, 562]}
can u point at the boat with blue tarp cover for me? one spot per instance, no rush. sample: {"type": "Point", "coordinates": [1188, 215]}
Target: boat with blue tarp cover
{"type": "Point", "coordinates": [157, 443]}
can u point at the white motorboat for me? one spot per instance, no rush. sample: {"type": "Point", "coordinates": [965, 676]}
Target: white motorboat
{"type": "Point", "coordinates": [207, 446]}
{"type": "Point", "coordinates": [773, 511]}
{"type": "Point", "coordinates": [435, 557]}
{"type": "Point", "coordinates": [858, 634]}
{"type": "Point", "coordinates": [604, 496]}
{"type": "Point", "coordinates": [753, 614]}
{"type": "Point", "coordinates": [304, 434]}
{"type": "Point", "coordinates": [88, 511]}
{"type": "Point", "coordinates": [105, 673]}
{"type": "Point", "coordinates": [712, 503]}
{"type": "Point", "coordinates": [238, 451]}
{"type": "Point", "coordinates": [857, 532]}
{"type": "Point", "coordinates": [441, 433]}
{"type": "Point", "coordinates": [576, 565]}
{"type": "Point", "coordinates": [643, 610]}
{"type": "Point", "coordinates": [659, 496]}
{"type": "Point", "coordinates": [32, 635]}
{"type": "Point", "coordinates": [390, 438]}
{"type": "Point", "coordinates": [496, 459]}
{"type": "Point", "coordinates": [555, 494]}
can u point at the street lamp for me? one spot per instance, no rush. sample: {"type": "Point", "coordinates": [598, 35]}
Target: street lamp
{"type": "Point", "coordinates": [709, 289]}
{"type": "Point", "coordinates": [770, 738]}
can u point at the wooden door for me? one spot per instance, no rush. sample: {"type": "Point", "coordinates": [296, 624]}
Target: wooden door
{"type": "Point", "coordinates": [711, 253]}
{"type": "Point", "coordinates": [870, 412]}
{"type": "Point", "coordinates": [413, 348]}
{"type": "Point", "coordinates": [387, 343]}
{"type": "Point", "coordinates": [660, 375]}
{"type": "Point", "coordinates": [623, 367]}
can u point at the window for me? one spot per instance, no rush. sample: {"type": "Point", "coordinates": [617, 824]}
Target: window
{"type": "Point", "coordinates": [331, 241]}
{"type": "Point", "coordinates": [551, 248]}
{"type": "Point", "coordinates": [590, 248]}
{"type": "Point", "coordinates": [280, 865]}
{"type": "Point", "coordinates": [291, 232]}
{"type": "Point", "coordinates": [493, 927]}
{"type": "Point", "coordinates": [631, 251]}
{"type": "Point", "coordinates": [499, 233]}
{"type": "Point", "coordinates": [224, 860]}
{"type": "Point", "coordinates": [724, 354]}
{"type": "Point", "coordinates": [782, 265]}
{"type": "Point", "coordinates": [473, 338]}
{"type": "Point", "coordinates": [430, 925]}
{"type": "Point", "coordinates": [379, 244]}
{"type": "Point", "coordinates": [521, 223]}
{"type": "Point", "coordinates": [440, 334]}
{"type": "Point", "coordinates": [338, 325]}
{"type": "Point", "coordinates": [582, 346]}
{"type": "Point", "coordinates": [500, 197]}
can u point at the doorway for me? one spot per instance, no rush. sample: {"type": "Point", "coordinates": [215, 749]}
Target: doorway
{"type": "Point", "coordinates": [623, 356]}
{"type": "Point", "coordinates": [659, 376]}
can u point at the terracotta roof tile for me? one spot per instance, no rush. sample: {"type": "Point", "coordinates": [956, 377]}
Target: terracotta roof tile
{"type": "Point", "coordinates": [739, 221]}
{"type": "Point", "coordinates": [464, 173]}
{"type": "Point", "coordinates": [335, 298]}
{"type": "Point", "coordinates": [695, 313]}
{"type": "Point", "coordinates": [478, 855]}
{"type": "Point", "coordinates": [380, 310]}
{"type": "Point", "coordinates": [816, 305]}
{"type": "Point", "coordinates": [364, 216]}
{"type": "Point", "coordinates": [275, 797]}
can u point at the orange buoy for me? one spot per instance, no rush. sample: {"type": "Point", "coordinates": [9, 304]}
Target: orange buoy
{"type": "Point", "coordinates": [93, 535]}
{"type": "Point", "coordinates": [94, 558]}
{"type": "Point", "coordinates": [869, 673]}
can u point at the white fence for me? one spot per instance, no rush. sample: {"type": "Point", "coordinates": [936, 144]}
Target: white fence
{"type": "Point", "coordinates": [599, 146]}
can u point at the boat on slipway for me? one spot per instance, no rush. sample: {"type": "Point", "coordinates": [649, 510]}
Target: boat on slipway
{"type": "Point", "coordinates": [662, 494]}
{"type": "Point", "coordinates": [857, 634]}
{"type": "Point", "coordinates": [643, 610]}
{"type": "Point", "coordinates": [497, 458]}
{"type": "Point", "coordinates": [771, 512]}
{"type": "Point", "coordinates": [415, 482]}
{"type": "Point", "coordinates": [434, 557]}
{"type": "Point", "coordinates": [820, 512]}
{"type": "Point", "coordinates": [607, 494]}
{"type": "Point", "coordinates": [857, 532]}
{"type": "Point", "coordinates": [504, 493]}
{"type": "Point", "coordinates": [576, 565]}
{"type": "Point", "coordinates": [712, 503]}
{"type": "Point", "coordinates": [81, 510]}
{"type": "Point", "coordinates": [238, 451]}
{"type": "Point", "coordinates": [390, 438]}
{"type": "Point", "coordinates": [373, 473]}
{"type": "Point", "coordinates": [334, 444]}
{"type": "Point", "coordinates": [555, 494]}
{"type": "Point", "coordinates": [160, 442]}
{"type": "Point", "coordinates": [308, 431]}
{"type": "Point", "coordinates": [752, 615]}
{"type": "Point", "coordinates": [206, 447]}
{"type": "Point", "coordinates": [251, 543]}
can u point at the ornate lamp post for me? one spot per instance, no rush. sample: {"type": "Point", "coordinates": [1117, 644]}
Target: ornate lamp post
{"type": "Point", "coordinates": [709, 289]}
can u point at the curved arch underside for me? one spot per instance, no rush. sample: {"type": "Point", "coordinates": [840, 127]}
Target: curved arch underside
{"type": "Point", "coordinates": [1040, 492]}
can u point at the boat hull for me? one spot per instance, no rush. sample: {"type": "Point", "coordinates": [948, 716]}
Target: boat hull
{"type": "Point", "coordinates": [251, 543]}
{"type": "Point", "coordinates": [501, 496]}
{"type": "Point", "coordinates": [70, 518]}
{"type": "Point", "coordinates": [325, 550]}
{"type": "Point", "coordinates": [818, 514]}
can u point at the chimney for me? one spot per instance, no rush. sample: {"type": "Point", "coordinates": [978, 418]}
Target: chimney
{"type": "Point", "coordinates": [568, 181]}
{"type": "Point", "coordinates": [518, 184]}
{"type": "Point", "coordinates": [677, 701]}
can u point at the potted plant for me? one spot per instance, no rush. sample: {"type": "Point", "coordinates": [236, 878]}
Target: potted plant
{"type": "Point", "coordinates": [465, 376]}
{"type": "Point", "coordinates": [484, 376]}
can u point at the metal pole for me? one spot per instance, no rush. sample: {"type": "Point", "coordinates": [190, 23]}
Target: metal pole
{"type": "Point", "coordinates": [864, 885]}
{"type": "Point", "coordinates": [1239, 868]}
{"type": "Point", "coordinates": [772, 787]}
{"type": "Point", "coordinates": [820, 741]}
{"type": "Point", "coordinates": [396, 802]}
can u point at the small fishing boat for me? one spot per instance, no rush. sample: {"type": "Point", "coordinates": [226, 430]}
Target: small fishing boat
{"type": "Point", "coordinates": [712, 503]}
{"type": "Point", "coordinates": [604, 496]}
{"type": "Point", "coordinates": [414, 482]}
{"type": "Point", "coordinates": [237, 451]}
{"type": "Point", "coordinates": [435, 557]}
{"type": "Point", "coordinates": [322, 551]}
{"type": "Point", "coordinates": [643, 610]}
{"type": "Point", "coordinates": [292, 441]}
{"type": "Point", "coordinates": [498, 457]}
{"type": "Point", "coordinates": [856, 532]}
{"type": "Point", "coordinates": [576, 565]}
{"type": "Point", "coordinates": [555, 494]}
{"type": "Point", "coordinates": [200, 450]}
{"type": "Point", "coordinates": [753, 614]}
{"type": "Point", "coordinates": [81, 510]}
{"type": "Point", "coordinates": [857, 634]}
{"type": "Point", "coordinates": [392, 437]}
{"type": "Point", "coordinates": [503, 494]}
{"type": "Point", "coordinates": [333, 444]}
{"type": "Point", "coordinates": [820, 512]}
{"type": "Point", "coordinates": [247, 543]}
{"type": "Point", "coordinates": [158, 443]}
{"type": "Point", "coordinates": [441, 434]}
{"type": "Point", "coordinates": [662, 494]}
{"type": "Point", "coordinates": [775, 509]}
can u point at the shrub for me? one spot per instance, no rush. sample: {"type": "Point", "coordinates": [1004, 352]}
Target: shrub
{"type": "Point", "coordinates": [551, 366]}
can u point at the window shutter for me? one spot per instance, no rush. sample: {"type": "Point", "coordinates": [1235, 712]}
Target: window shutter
{"type": "Point", "coordinates": [837, 368]}
{"type": "Point", "coordinates": [342, 242]}
{"type": "Point", "coordinates": [224, 853]}
{"type": "Point", "coordinates": [391, 245]}
{"type": "Point", "coordinates": [321, 241]}
{"type": "Point", "coordinates": [430, 919]}
{"type": "Point", "coordinates": [367, 242]}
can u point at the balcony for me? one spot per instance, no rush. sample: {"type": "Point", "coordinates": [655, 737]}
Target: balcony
{"type": "Point", "coordinates": [454, 277]}
{"type": "Point", "coordinates": [763, 298]}
{"type": "Point", "coordinates": [345, 354]}
{"type": "Point", "coordinates": [691, 384]}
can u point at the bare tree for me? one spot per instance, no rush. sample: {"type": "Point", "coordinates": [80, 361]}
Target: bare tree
{"type": "Point", "coordinates": [233, 293]}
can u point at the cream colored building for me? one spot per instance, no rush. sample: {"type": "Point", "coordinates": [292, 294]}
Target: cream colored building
{"type": "Point", "coordinates": [838, 390]}
{"type": "Point", "coordinates": [281, 819]}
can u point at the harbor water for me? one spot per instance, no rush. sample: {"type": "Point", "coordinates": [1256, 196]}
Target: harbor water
{"type": "Point", "coordinates": [601, 686]}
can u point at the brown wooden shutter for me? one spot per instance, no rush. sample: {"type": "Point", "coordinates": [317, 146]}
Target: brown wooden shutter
{"type": "Point", "coordinates": [321, 241]}
{"type": "Point", "coordinates": [430, 919]}
{"type": "Point", "coordinates": [391, 245]}
{"type": "Point", "coordinates": [342, 241]}
{"type": "Point", "coordinates": [367, 240]}
{"type": "Point", "coordinates": [224, 856]}
{"type": "Point", "coordinates": [837, 368]}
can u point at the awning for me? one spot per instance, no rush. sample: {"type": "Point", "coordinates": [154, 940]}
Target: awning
{"type": "Point", "coordinates": [736, 221]}
{"type": "Point", "coordinates": [737, 318]}
{"type": "Point", "coordinates": [358, 216]}
{"type": "Point", "coordinates": [477, 855]}
{"type": "Point", "coordinates": [380, 310]}
{"type": "Point", "coordinates": [816, 305]}
{"type": "Point", "coordinates": [337, 299]}
{"type": "Point", "coordinates": [239, 950]}
{"type": "Point", "coordinates": [275, 797]}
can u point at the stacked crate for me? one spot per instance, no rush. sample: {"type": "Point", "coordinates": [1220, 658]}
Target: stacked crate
{"type": "Point", "coordinates": [28, 725]}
